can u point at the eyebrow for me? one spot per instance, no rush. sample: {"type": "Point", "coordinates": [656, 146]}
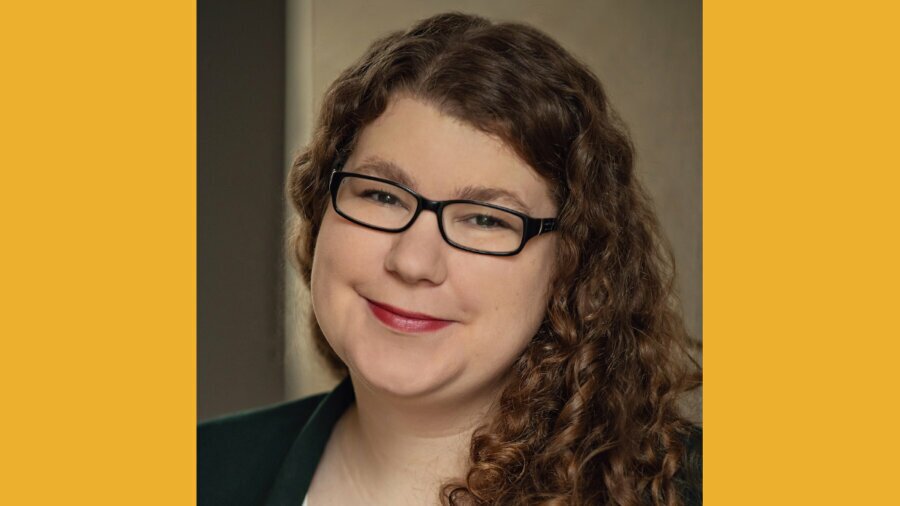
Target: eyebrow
{"type": "Point", "coordinates": [487, 194]}
{"type": "Point", "coordinates": [379, 167]}
{"type": "Point", "coordinates": [386, 169]}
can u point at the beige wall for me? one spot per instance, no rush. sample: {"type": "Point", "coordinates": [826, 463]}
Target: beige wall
{"type": "Point", "coordinates": [646, 53]}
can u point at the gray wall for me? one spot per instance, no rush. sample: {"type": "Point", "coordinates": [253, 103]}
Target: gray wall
{"type": "Point", "coordinates": [646, 53]}
{"type": "Point", "coordinates": [240, 175]}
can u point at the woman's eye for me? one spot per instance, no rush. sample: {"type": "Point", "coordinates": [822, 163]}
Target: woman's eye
{"type": "Point", "coordinates": [382, 198]}
{"type": "Point", "coordinates": [487, 222]}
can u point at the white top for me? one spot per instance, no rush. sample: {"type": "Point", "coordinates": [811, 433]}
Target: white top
{"type": "Point", "coordinates": [305, 501]}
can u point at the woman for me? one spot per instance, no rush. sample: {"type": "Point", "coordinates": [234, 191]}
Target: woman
{"type": "Point", "coordinates": [488, 273]}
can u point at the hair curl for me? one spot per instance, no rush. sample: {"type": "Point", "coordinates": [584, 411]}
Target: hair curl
{"type": "Point", "coordinates": [589, 415]}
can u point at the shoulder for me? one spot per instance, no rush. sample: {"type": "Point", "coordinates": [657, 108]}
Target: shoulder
{"type": "Point", "coordinates": [689, 477]}
{"type": "Point", "coordinates": [239, 455]}
{"type": "Point", "coordinates": [269, 418]}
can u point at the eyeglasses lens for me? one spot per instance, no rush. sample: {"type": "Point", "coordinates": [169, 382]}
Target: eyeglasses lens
{"type": "Point", "coordinates": [390, 207]}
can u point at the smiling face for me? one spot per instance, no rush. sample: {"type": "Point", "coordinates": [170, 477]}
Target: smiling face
{"type": "Point", "coordinates": [362, 278]}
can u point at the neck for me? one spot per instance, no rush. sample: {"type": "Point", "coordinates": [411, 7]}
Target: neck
{"type": "Point", "coordinates": [398, 443]}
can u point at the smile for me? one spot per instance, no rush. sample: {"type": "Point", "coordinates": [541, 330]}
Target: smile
{"type": "Point", "coordinates": [405, 321]}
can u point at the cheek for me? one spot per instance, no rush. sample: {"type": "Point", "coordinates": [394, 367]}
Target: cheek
{"type": "Point", "coordinates": [343, 256]}
{"type": "Point", "coordinates": [517, 287]}
{"type": "Point", "coordinates": [343, 250]}
{"type": "Point", "coordinates": [325, 258]}
{"type": "Point", "coordinates": [511, 301]}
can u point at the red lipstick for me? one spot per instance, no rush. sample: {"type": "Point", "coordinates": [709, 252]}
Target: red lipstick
{"type": "Point", "coordinates": [406, 321]}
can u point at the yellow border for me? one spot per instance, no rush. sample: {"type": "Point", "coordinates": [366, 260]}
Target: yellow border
{"type": "Point", "coordinates": [800, 252]}
{"type": "Point", "coordinates": [98, 239]}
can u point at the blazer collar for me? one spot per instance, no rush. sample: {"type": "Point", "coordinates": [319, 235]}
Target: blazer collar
{"type": "Point", "coordinates": [299, 466]}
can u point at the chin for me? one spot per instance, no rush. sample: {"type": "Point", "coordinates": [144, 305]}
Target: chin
{"type": "Point", "coordinates": [401, 376]}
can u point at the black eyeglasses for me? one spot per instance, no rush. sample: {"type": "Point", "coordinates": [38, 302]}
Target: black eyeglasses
{"type": "Point", "coordinates": [469, 225]}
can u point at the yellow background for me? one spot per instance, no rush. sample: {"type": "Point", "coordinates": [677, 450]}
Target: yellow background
{"type": "Point", "coordinates": [97, 202]}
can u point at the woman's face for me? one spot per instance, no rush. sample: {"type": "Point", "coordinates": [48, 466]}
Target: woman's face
{"type": "Point", "coordinates": [494, 304]}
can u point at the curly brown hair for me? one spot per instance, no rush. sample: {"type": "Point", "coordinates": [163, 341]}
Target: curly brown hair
{"type": "Point", "coordinates": [589, 415]}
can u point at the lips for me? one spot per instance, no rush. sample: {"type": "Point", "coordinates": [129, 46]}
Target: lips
{"type": "Point", "coordinates": [405, 321]}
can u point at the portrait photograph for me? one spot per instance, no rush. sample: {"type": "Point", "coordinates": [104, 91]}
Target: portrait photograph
{"type": "Point", "coordinates": [449, 253]}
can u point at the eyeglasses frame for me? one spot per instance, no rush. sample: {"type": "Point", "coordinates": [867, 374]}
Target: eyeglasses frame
{"type": "Point", "coordinates": [532, 226]}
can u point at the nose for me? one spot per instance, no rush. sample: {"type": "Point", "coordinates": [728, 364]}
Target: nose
{"type": "Point", "coordinates": [417, 254]}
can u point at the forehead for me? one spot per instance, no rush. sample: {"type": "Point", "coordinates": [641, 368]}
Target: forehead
{"type": "Point", "coordinates": [440, 156]}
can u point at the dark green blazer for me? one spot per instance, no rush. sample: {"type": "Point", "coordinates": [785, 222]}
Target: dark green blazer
{"type": "Point", "coordinates": [268, 456]}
